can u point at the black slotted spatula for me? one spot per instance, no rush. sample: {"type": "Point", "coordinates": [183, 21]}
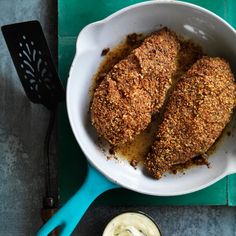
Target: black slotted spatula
{"type": "Point", "coordinates": [33, 62]}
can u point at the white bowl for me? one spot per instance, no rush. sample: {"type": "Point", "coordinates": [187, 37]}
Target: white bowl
{"type": "Point", "coordinates": [217, 39]}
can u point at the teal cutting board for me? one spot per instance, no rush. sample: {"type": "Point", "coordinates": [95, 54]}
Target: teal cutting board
{"type": "Point", "coordinates": [73, 16]}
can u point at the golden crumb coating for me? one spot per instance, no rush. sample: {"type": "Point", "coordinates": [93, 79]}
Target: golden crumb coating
{"type": "Point", "coordinates": [197, 112]}
{"type": "Point", "coordinates": [135, 88]}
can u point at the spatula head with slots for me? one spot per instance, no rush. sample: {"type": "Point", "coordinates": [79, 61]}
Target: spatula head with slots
{"type": "Point", "coordinates": [33, 62]}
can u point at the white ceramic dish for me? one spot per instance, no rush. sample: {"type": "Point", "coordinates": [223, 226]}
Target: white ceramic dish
{"type": "Point", "coordinates": [217, 39]}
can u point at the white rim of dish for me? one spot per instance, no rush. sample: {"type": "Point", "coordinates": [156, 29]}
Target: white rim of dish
{"type": "Point", "coordinates": [83, 148]}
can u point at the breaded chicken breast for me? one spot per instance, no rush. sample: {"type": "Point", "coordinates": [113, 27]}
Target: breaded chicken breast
{"type": "Point", "coordinates": [197, 112]}
{"type": "Point", "coordinates": [135, 88]}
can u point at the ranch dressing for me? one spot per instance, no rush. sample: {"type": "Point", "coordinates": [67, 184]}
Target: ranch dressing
{"type": "Point", "coordinates": [131, 224]}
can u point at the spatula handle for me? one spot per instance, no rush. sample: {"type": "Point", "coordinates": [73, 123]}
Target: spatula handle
{"type": "Point", "coordinates": [70, 214]}
{"type": "Point", "coordinates": [46, 214]}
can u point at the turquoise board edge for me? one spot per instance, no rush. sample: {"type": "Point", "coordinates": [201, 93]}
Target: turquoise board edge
{"type": "Point", "coordinates": [73, 169]}
{"type": "Point", "coordinates": [232, 190]}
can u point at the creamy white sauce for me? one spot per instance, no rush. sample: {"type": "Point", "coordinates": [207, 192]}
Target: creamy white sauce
{"type": "Point", "coordinates": [131, 224]}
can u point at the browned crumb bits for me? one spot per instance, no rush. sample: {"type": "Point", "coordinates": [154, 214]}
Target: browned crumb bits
{"type": "Point", "coordinates": [112, 151]}
{"type": "Point", "coordinates": [134, 163]}
{"type": "Point", "coordinates": [105, 51]}
{"type": "Point", "coordinates": [133, 39]}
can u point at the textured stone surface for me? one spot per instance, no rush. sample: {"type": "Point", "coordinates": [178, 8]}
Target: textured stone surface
{"type": "Point", "coordinates": [174, 221]}
{"type": "Point", "coordinates": [22, 129]}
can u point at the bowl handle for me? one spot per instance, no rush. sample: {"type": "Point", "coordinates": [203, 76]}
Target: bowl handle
{"type": "Point", "coordinates": [68, 216]}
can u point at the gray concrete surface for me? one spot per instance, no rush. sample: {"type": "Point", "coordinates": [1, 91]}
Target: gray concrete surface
{"type": "Point", "coordinates": [173, 221]}
{"type": "Point", "coordinates": [22, 129]}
